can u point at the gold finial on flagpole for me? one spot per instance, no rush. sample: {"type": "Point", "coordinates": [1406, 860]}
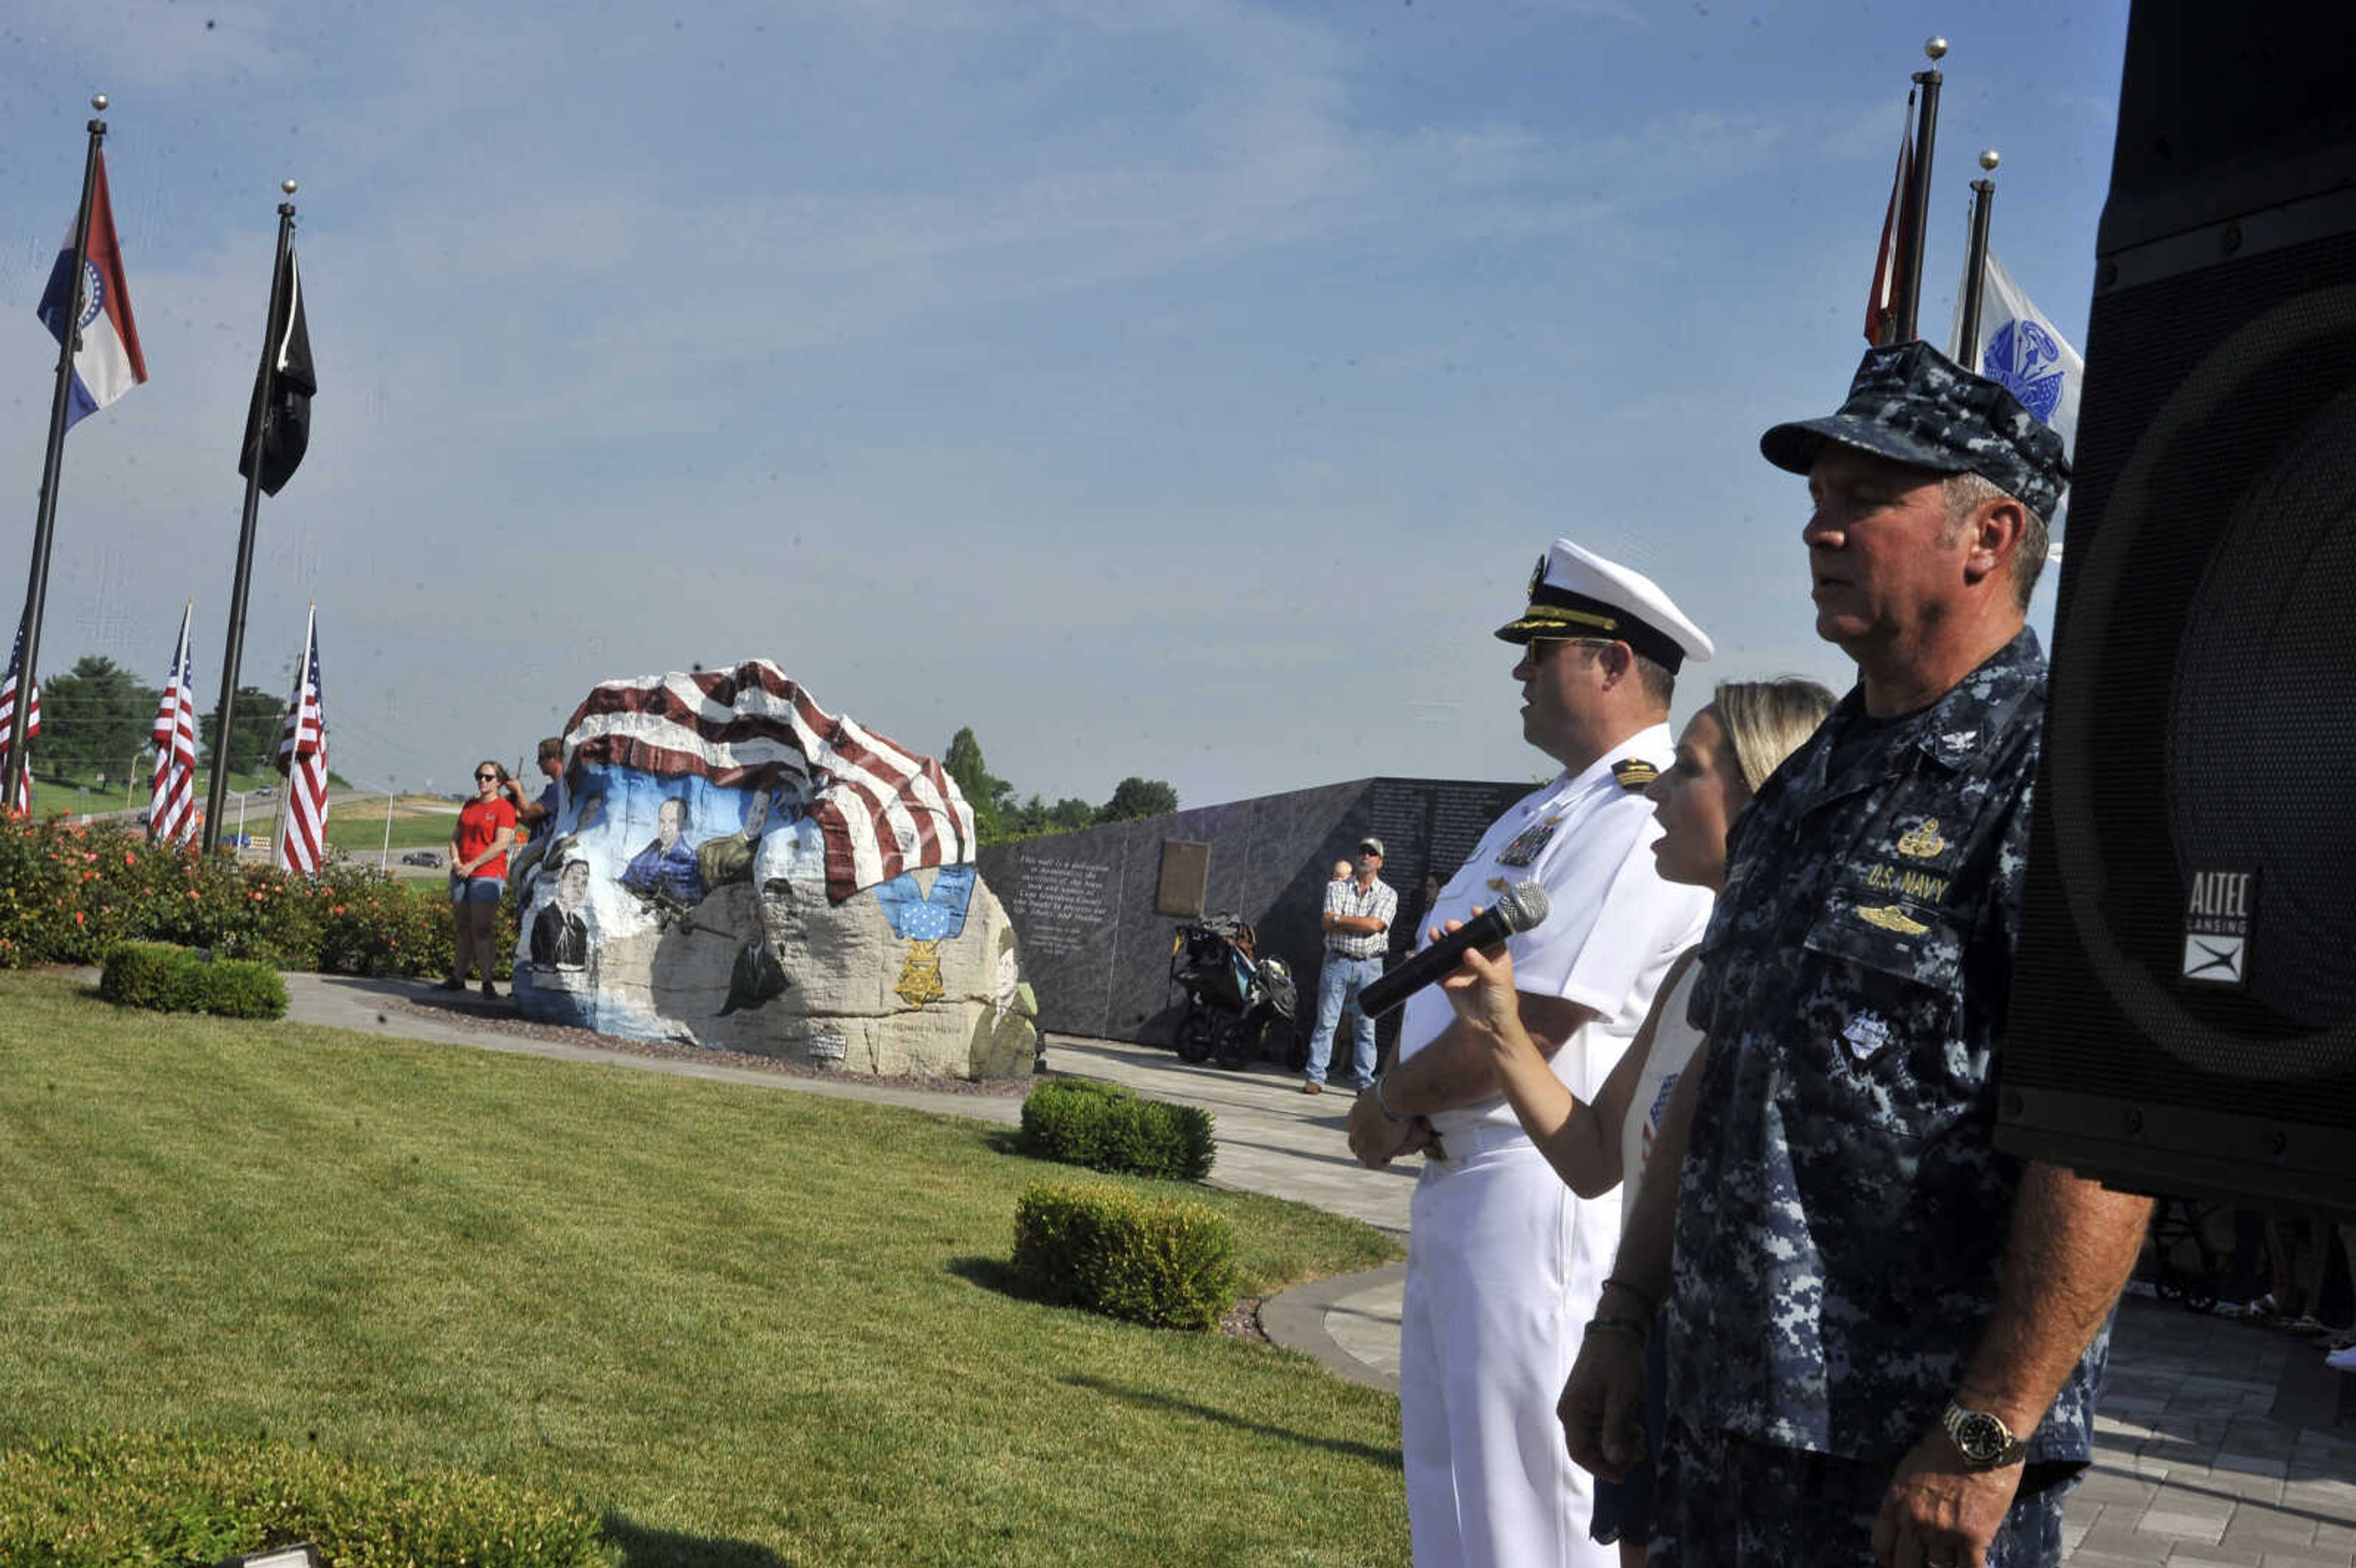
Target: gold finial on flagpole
{"type": "Point", "coordinates": [1935, 46]}
{"type": "Point", "coordinates": [1989, 159]}
{"type": "Point", "coordinates": [98, 101]}
{"type": "Point", "coordinates": [287, 185]}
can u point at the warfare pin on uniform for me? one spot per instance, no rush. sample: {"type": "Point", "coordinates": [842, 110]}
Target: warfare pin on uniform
{"type": "Point", "coordinates": [1923, 840]}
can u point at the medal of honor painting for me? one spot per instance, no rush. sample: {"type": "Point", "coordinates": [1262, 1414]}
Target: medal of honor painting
{"type": "Point", "coordinates": [734, 867]}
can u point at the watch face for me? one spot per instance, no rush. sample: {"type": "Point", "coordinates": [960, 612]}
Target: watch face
{"type": "Point", "coordinates": [1981, 1437]}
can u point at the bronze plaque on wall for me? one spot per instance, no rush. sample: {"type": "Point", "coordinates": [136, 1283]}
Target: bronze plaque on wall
{"type": "Point", "coordinates": [1185, 877]}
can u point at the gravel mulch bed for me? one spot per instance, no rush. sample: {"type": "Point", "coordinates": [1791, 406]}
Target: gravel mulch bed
{"type": "Point", "coordinates": [1242, 1322]}
{"type": "Point", "coordinates": [500, 1017]}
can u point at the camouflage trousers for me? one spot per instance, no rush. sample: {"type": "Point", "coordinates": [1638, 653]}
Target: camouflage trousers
{"type": "Point", "coordinates": [1722, 1501]}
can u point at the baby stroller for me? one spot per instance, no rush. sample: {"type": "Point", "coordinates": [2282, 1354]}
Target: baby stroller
{"type": "Point", "coordinates": [1237, 1002]}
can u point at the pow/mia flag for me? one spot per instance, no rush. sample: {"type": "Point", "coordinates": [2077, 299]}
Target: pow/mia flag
{"type": "Point", "coordinates": [285, 425]}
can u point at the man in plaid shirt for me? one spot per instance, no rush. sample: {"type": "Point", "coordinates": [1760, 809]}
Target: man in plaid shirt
{"type": "Point", "coordinates": [1357, 925]}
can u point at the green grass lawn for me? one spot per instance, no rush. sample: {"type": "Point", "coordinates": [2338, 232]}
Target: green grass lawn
{"type": "Point", "coordinates": [359, 830]}
{"type": "Point", "coordinates": [62, 794]}
{"type": "Point", "coordinates": [759, 1328]}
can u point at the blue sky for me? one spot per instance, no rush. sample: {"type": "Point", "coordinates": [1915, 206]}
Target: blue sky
{"type": "Point", "coordinates": [1169, 388]}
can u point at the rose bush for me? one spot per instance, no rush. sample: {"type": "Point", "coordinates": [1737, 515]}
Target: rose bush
{"type": "Point", "coordinates": [69, 894]}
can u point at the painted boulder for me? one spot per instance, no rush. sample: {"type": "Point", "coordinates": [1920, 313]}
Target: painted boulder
{"type": "Point", "coordinates": [735, 868]}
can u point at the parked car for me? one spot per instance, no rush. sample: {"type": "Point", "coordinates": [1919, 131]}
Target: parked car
{"type": "Point", "coordinates": [422, 858]}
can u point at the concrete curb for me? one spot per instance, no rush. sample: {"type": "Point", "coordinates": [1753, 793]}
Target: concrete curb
{"type": "Point", "coordinates": [1296, 1319]}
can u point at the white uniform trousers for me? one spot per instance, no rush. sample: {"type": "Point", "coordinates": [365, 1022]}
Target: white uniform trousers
{"type": "Point", "coordinates": [1488, 1331]}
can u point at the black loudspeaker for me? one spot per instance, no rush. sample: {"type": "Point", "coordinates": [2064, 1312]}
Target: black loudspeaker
{"type": "Point", "coordinates": [2184, 1005]}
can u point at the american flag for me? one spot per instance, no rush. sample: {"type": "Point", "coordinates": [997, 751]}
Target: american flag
{"type": "Point", "coordinates": [303, 758]}
{"type": "Point", "coordinates": [20, 793]}
{"type": "Point", "coordinates": [881, 808]}
{"type": "Point", "coordinates": [172, 808]}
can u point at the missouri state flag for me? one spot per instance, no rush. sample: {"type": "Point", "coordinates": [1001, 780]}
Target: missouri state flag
{"type": "Point", "coordinates": [107, 362]}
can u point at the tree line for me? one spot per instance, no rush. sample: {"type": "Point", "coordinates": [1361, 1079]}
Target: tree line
{"type": "Point", "coordinates": [96, 719]}
{"type": "Point", "coordinates": [999, 814]}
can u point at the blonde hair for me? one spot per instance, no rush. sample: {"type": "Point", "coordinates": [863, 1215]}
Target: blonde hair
{"type": "Point", "coordinates": [1765, 720]}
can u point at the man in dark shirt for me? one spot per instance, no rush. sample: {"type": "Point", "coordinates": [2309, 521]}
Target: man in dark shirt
{"type": "Point", "coordinates": [537, 818]}
{"type": "Point", "coordinates": [1884, 1338]}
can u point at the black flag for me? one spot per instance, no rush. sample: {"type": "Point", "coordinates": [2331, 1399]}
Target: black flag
{"type": "Point", "coordinates": [287, 434]}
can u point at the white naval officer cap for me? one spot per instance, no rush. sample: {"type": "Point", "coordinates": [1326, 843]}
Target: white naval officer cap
{"type": "Point", "coordinates": [1576, 593]}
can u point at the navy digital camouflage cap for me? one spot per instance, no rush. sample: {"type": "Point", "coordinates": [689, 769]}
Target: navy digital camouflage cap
{"type": "Point", "coordinates": [1912, 404]}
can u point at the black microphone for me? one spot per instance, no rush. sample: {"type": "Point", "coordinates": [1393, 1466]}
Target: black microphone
{"type": "Point", "coordinates": [1517, 909]}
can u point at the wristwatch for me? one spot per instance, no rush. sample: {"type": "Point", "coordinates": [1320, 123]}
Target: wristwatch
{"type": "Point", "coordinates": [1986, 1442]}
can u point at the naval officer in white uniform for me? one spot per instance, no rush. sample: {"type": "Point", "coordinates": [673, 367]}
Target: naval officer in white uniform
{"type": "Point", "coordinates": [1503, 1261]}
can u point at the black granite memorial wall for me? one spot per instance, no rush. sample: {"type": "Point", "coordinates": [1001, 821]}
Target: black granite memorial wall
{"type": "Point", "coordinates": [1096, 951]}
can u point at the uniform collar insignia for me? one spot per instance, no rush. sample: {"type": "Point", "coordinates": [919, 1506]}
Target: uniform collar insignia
{"type": "Point", "coordinates": [1965, 730]}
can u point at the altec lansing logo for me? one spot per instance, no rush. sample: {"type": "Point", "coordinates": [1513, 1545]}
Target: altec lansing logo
{"type": "Point", "coordinates": [2217, 915]}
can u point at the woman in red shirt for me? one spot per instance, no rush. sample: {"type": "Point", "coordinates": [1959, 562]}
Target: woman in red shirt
{"type": "Point", "coordinates": [479, 873]}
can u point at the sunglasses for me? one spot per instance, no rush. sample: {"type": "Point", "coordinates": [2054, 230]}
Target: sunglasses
{"type": "Point", "coordinates": [479, 777]}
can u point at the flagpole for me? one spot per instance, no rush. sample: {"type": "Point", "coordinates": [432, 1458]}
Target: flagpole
{"type": "Point", "coordinates": [37, 586]}
{"type": "Point", "coordinates": [217, 790]}
{"type": "Point", "coordinates": [1909, 273]}
{"type": "Point", "coordinates": [1967, 344]}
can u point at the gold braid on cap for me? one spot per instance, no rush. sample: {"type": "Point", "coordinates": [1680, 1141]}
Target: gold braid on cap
{"type": "Point", "coordinates": [1557, 615]}
{"type": "Point", "coordinates": [1561, 607]}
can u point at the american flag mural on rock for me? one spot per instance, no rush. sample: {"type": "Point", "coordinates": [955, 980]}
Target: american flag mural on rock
{"type": "Point", "coordinates": [883, 809]}
{"type": "Point", "coordinates": [20, 776]}
{"type": "Point", "coordinates": [172, 804]}
{"type": "Point", "coordinates": [303, 758]}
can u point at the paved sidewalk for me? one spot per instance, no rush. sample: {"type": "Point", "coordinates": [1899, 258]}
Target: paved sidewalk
{"type": "Point", "coordinates": [2217, 1447]}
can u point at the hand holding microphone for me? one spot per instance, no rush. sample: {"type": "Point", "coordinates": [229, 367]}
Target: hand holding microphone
{"type": "Point", "coordinates": [1520, 908]}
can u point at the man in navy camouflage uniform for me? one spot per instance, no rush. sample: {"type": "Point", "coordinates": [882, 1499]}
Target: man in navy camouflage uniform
{"type": "Point", "coordinates": [1885, 1339]}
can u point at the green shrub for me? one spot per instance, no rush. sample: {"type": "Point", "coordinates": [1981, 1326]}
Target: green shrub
{"type": "Point", "coordinates": [171, 979]}
{"type": "Point", "coordinates": [1165, 1263]}
{"type": "Point", "coordinates": [124, 1498]}
{"type": "Point", "coordinates": [1079, 1121]}
{"type": "Point", "coordinates": [243, 988]}
{"type": "Point", "coordinates": [143, 975]}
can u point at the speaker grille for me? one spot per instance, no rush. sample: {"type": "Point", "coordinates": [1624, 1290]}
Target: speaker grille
{"type": "Point", "coordinates": [2202, 711]}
